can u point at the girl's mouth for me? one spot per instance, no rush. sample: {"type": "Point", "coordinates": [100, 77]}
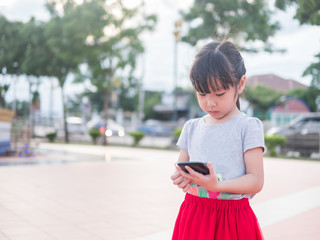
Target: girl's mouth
{"type": "Point", "coordinates": [213, 112]}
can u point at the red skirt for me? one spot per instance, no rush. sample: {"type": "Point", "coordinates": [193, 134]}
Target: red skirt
{"type": "Point", "coordinates": [209, 219]}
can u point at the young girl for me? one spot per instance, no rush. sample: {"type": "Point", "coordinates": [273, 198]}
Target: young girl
{"type": "Point", "coordinates": [216, 206]}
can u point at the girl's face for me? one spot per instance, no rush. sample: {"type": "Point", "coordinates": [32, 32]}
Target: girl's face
{"type": "Point", "coordinates": [221, 105]}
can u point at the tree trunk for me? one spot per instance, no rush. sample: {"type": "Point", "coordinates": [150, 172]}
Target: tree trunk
{"type": "Point", "coordinates": [105, 115]}
{"type": "Point", "coordinates": [2, 99]}
{"type": "Point", "coordinates": [31, 112]}
{"type": "Point", "coordinates": [66, 133]}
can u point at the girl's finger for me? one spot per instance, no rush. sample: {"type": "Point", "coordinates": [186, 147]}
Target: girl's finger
{"type": "Point", "coordinates": [178, 180]}
{"type": "Point", "coordinates": [183, 173]}
{"type": "Point", "coordinates": [184, 183]}
{"type": "Point", "coordinates": [212, 172]}
{"type": "Point", "coordinates": [186, 188]}
{"type": "Point", "coordinates": [192, 172]}
{"type": "Point", "coordinates": [175, 175]}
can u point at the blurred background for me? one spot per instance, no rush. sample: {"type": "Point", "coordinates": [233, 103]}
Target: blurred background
{"type": "Point", "coordinates": [116, 72]}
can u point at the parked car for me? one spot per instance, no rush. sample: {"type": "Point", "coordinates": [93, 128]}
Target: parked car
{"type": "Point", "coordinates": [114, 129]}
{"type": "Point", "coordinates": [154, 127]}
{"type": "Point", "coordinates": [75, 125]}
{"type": "Point", "coordinates": [302, 134]}
{"type": "Point", "coordinates": [111, 128]}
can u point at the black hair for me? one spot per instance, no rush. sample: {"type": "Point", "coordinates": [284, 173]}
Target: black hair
{"type": "Point", "coordinates": [217, 62]}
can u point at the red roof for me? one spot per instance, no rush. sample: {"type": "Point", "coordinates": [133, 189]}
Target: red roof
{"type": "Point", "coordinates": [275, 82]}
{"type": "Point", "coordinates": [292, 105]}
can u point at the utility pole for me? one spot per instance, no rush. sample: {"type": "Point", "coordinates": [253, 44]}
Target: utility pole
{"type": "Point", "coordinates": [177, 30]}
{"type": "Point", "coordinates": [141, 92]}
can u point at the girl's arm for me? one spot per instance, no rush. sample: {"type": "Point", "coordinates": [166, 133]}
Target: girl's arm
{"type": "Point", "coordinates": [251, 182]}
{"type": "Point", "coordinates": [183, 156]}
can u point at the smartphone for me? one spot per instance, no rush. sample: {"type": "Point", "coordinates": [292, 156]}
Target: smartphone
{"type": "Point", "coordinates": [200, 167]}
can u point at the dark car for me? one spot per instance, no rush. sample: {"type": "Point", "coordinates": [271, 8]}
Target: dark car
{"type": "Point", "coordinates": [302, 135]}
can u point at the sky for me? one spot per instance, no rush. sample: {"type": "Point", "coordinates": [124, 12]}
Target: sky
{"type": "Point", "coordinates": [157, 64]}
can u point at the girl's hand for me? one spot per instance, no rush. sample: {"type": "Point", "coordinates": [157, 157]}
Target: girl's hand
{"type": "Point", "coordinates": [209, 182]}
{"type": "Point", "coordinates": [180, 181]}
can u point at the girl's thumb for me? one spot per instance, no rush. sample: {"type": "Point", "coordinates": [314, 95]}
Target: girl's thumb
{"type": "Point", "coordinates": [211, 169]}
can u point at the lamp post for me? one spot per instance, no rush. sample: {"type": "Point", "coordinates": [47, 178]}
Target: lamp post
{"type": "Point", "coordinates": [177, 30]}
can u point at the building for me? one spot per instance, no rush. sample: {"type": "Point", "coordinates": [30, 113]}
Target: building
{"type": "Point", "coordinates": [274, 82]}
{"type": "Point", "coordinates": [289, 107]}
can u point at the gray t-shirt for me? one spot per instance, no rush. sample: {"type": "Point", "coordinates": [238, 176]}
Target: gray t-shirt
{"type": "Point", "coordinates": [224, 145]}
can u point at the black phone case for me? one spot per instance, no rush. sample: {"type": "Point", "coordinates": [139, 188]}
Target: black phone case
{"type": "Point", "coordinates": [196, 166]}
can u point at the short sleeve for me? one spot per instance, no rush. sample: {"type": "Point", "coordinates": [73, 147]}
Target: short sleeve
{"type": "Point", "coordinates": [183, 139]}
{"type": "Point", "coordinates": [253, 135]}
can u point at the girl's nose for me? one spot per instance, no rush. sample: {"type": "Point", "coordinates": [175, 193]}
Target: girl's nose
{"type": "Point", "coordinates": [211, 102]}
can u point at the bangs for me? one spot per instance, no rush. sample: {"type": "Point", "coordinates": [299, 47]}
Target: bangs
{"type": "Point", "coordinates": [211, 72]}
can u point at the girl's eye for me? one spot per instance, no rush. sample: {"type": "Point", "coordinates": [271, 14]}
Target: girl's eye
{"type": "Point", "coordinates": [201, 94]}
{"type": "Point", "coordinates": [220, 94]}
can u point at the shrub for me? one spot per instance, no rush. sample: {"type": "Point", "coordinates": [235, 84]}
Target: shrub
{"type": "Point", "coordinates": [51, 136]}
{"type": "Point", "coordinates": [177, 132]}
{"type": "Point", "coordinates": [94, 134]}
{"type": "Point", "coordinates": [272, 142]}
{"type": "Point", "coordinates": [137, 136]}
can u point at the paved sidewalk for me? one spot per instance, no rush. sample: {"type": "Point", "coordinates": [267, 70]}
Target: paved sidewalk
{"type": "Point", "coordinates": [93, 192]}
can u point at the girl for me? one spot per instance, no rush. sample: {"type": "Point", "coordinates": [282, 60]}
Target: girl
{"type": "Point", "coordinates": [216, 206]}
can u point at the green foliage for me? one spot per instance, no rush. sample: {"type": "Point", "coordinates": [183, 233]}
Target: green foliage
{"type": "Point", "coordinates": [51, 136]}
{"type": "Point", "coordinates": [307, 95]}
{"type": "Point", "coordinates": [129, 94]}
{"type": "Point", "coordinates": [177, 133]}
{"type": "Point", "coordinates": [112, 50]}
{"type": "Point", "coordinates": [12, 46]}
{"type": "Point", "coordinates": [22, 108]}
{"type": "Point", "coordinates": [75, 105]}
{"type": "Point", "coordinates": [12, 49]}
{"type": "Point", "coordinates": [314, 71]}
{"type": "Point", "coordinates": [272, 142]}
{"type": "Point", "coordinates": [262, 98]}
{"type": "Point", "coordinates": [307, 11]}
{"type": "Point", "coordinates": [152, 98]}
{"type": "Point", "coordinates": [241, 21]}
{"type": "Point", "coordinates": [137, 137]}
{"type": "Point", "coordinates": [94, 134]}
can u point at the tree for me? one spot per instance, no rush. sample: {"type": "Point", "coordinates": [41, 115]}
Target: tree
{"type": "Point", "coordinates": [12, 49]}
{"type": "Point", "coordinates": [112, 57]}
{"type": "Point", "coordinates": [152, 98]}
{"type": "Point", "coordinates": [36, 60]}
{"type": "Point", "coordinates": [67, 33]}
{"type": "Point", "coordinates": [22, 109]}
{"type": "Point", "coordinates": [242, 21]}
{"type": "Point", "coordinates": [307, 95]}
{"type": "Point", "coordinates": [129, 95]}
{"type": "Point", "coordinates": [262, 98]}
{"type": "Point", "coordinates": [307, 12]}
{"type": "Point", "coordinates": [314, 71]}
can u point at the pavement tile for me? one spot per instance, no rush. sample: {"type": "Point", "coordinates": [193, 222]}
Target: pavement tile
{"type": "Point", "coordinates": [65, 232]}
{"type": "Point", "coordinates": [303, 226]}
{"type": "Point", "coordinates": [131, 197]}
{"type": "Point", "coordinates": [32, 237]}
{"type": "Point", "coordinates": [3, 237]}
{"type": "Point", "coordinates": [20, 231]}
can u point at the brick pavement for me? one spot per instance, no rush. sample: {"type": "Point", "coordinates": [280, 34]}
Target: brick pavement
{"type": "Point", "coordinates": [122, 193]}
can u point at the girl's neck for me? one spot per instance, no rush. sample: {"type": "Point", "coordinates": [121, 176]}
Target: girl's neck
{"type": "Point", "coordinates": [211, 120]}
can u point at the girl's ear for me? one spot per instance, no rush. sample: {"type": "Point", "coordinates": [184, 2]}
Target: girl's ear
{"type": "Point", "coordinates": [242, 84]}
